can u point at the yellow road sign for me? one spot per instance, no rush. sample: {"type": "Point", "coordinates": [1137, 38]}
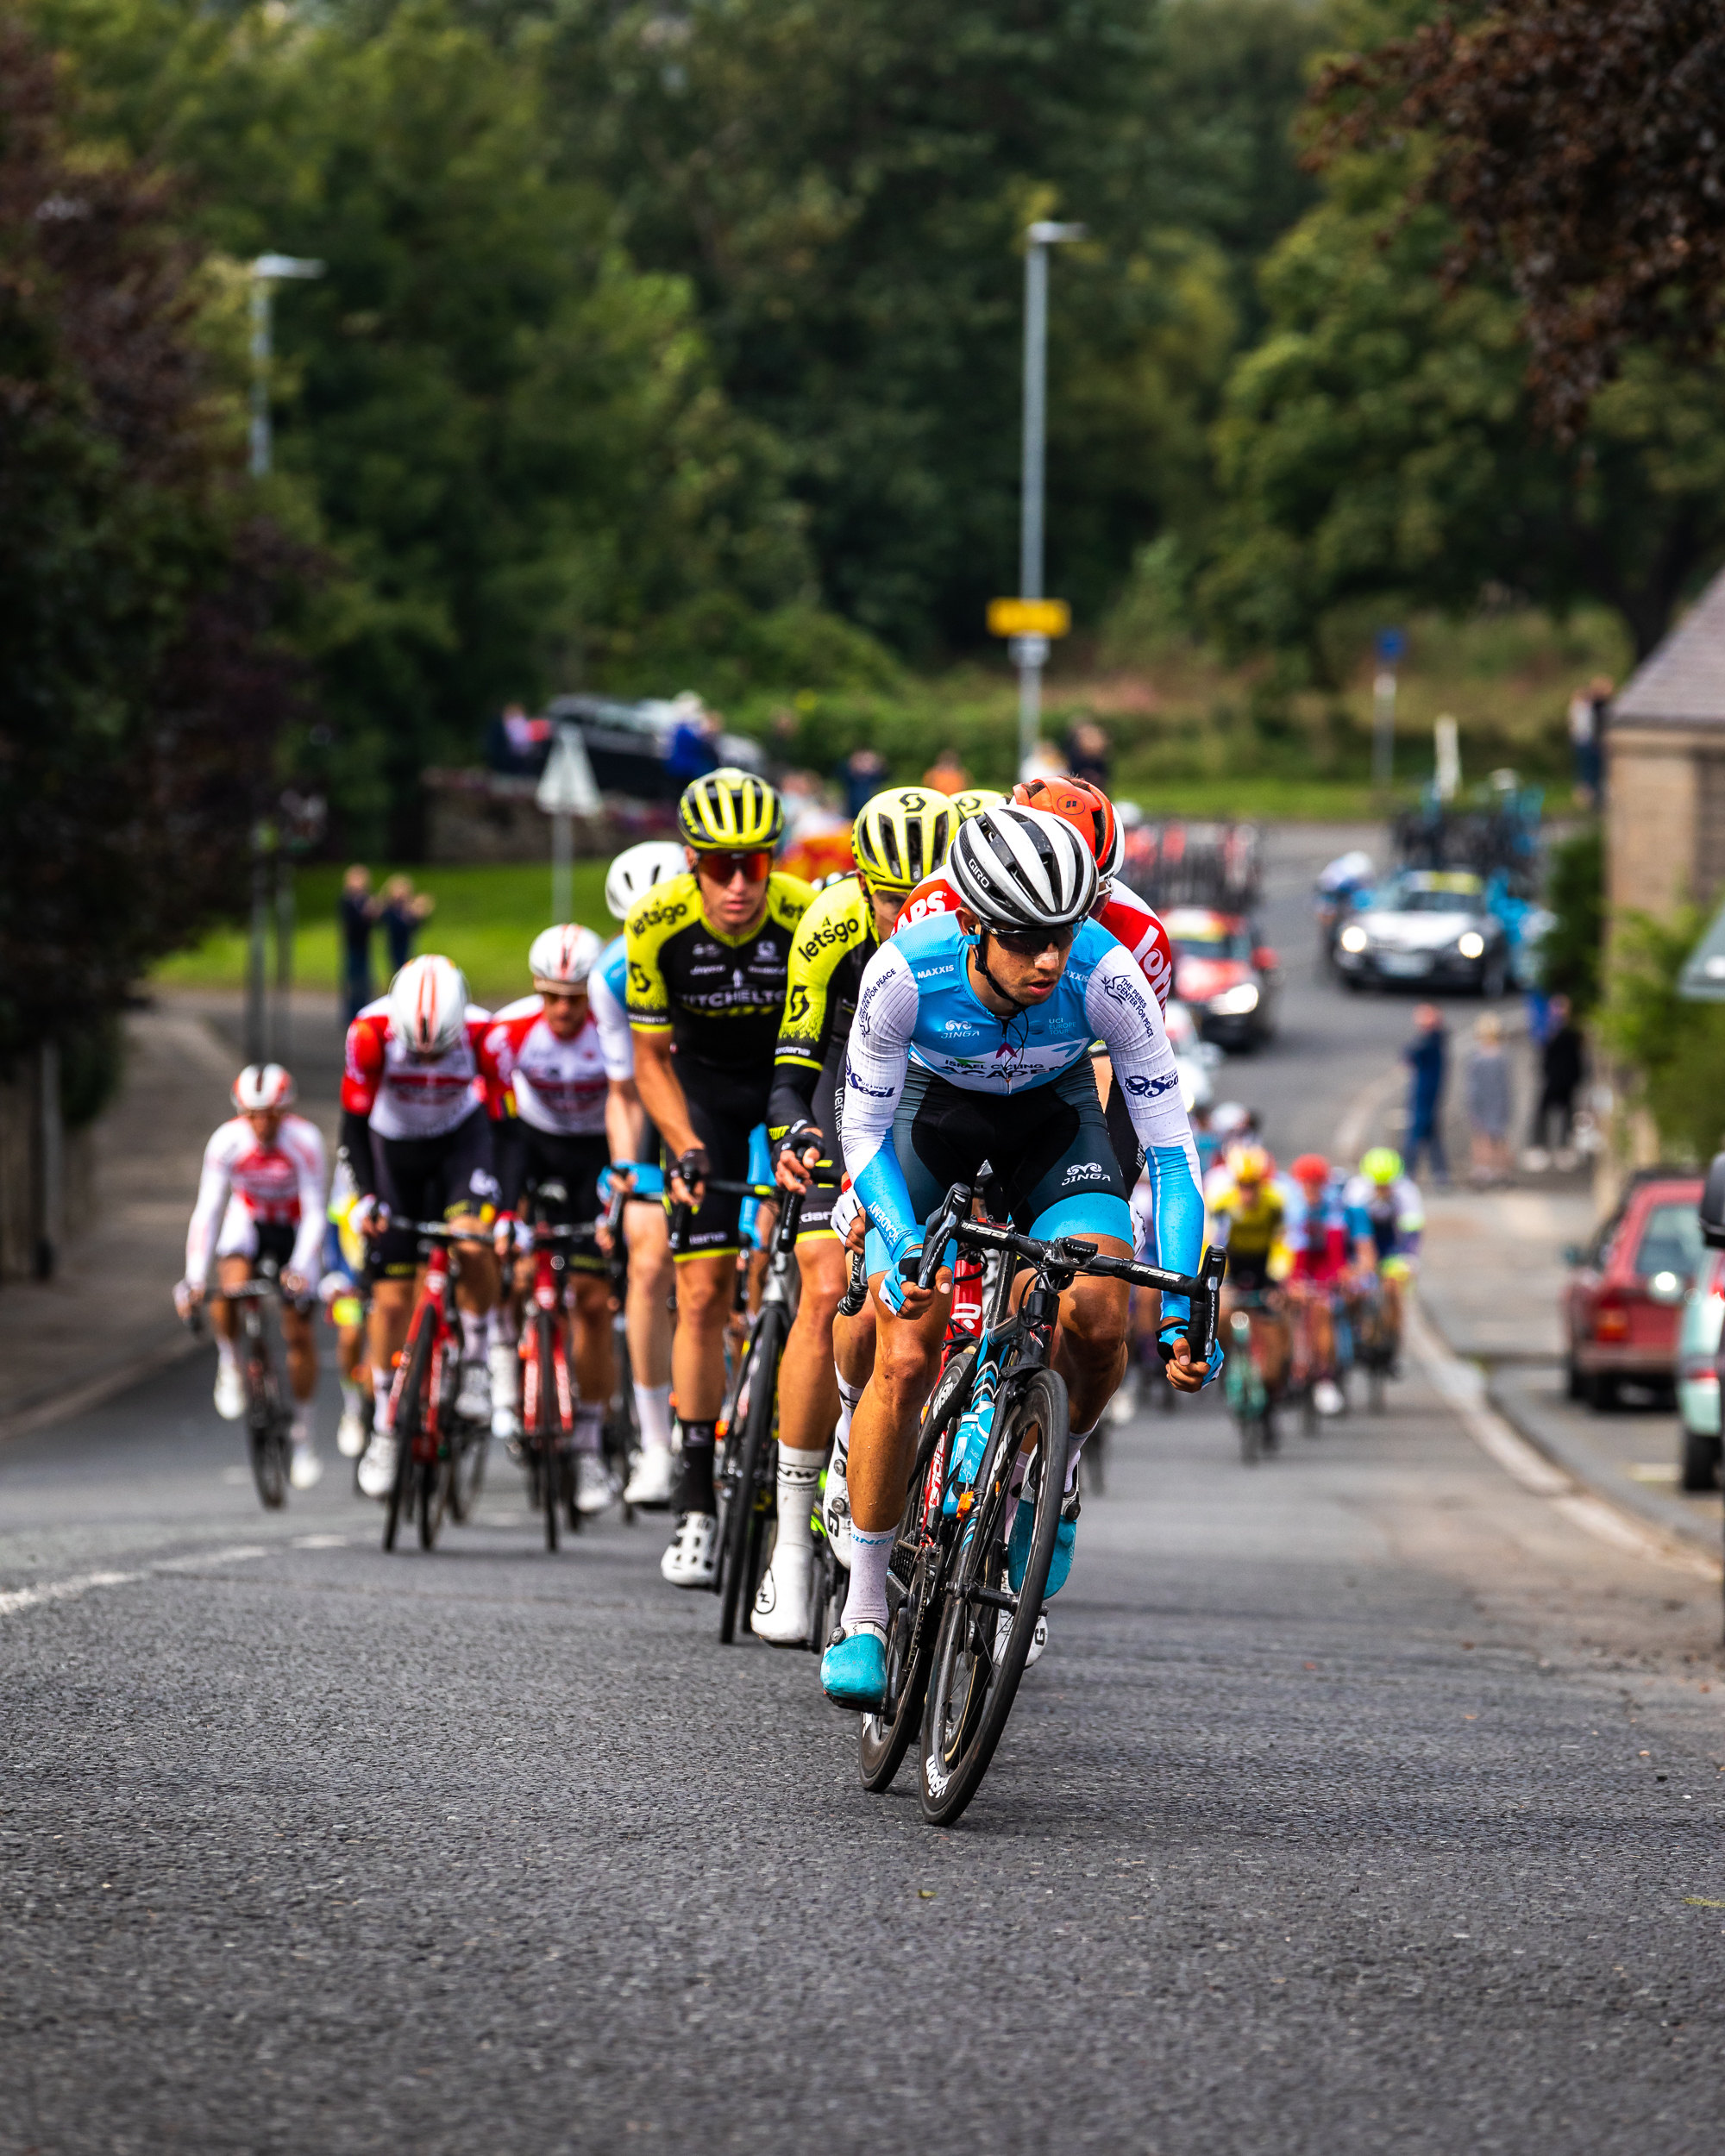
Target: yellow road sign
{"type": "Point", "coordinates": [1029, 618]}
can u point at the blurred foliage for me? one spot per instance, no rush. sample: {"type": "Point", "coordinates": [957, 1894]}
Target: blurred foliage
{"type": "Point", "coordinates": [143, 684]}
{"type": "Point", "coordinates": [1571, 950]}
{"type": "Point", "coordinates": [1674, 1049]}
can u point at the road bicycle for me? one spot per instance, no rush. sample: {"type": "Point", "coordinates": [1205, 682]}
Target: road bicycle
{"type": "Point", "coordinates": [1376, 1342]}
{"type": "Point", "coordinates": [439, 1454]}
{"type": "Point", "coordinates": [958, 1631]}
{"type": "Point", "coordinates": [1250, 1393]}
{"type": "Point", "coordinates": [547, 1390]}
{"type": "Point", "coordinates": [268, 1417]}
{"type": "Point", "coordinates": [745, 1476]}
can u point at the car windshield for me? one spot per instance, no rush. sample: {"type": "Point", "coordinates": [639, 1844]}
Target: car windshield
{"type": "Point", "coordinates": [1430, 901]}
{"type": "Point", "coordinates": [1670, 1242]}
{"type": "Point", "coordinates": [1212, 939]}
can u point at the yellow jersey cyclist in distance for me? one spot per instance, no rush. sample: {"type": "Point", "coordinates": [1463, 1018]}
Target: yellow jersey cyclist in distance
{"type": "Point", "coordinates": [707, 954]}
{"type": "Point", "coordinates": [900, 837]}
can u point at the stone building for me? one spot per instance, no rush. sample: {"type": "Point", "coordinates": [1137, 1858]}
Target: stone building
{"type": "Point", "coordinates": [1665, 766]}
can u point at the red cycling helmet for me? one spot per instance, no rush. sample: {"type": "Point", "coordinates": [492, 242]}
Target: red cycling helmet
{"type": "Point", "coordinates": [1075, 801]}
{"type": "Point", "coordinates": [1310, 1168]}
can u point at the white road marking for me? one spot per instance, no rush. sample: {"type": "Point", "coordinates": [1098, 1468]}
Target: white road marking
{"type": "Point", "coordinates": [319, 1542]}
{"type": "Point", "coordinates": [198, 1559]}
{"type": "Point", "coordinates": [62, 1590]}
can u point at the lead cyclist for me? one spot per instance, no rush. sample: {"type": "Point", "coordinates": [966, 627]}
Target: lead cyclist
{"type": "Point", "coordinates": [971, 1045]}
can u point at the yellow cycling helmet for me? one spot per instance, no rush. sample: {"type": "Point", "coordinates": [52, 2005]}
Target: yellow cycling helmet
{"type": "Point", "coordinates": [1382, 1165]}
{"type": "Point", "coordinates": [902, 836]}
{"type": "Point", "coordinates": [974, 800]}
{"type": "Point", "coordinates": [730, 810]}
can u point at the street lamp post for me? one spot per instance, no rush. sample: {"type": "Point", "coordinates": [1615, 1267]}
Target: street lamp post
{"type": "Point", "coordinates": [1030, 653]}
{"type": "Point", "coordinates": [265, 272]}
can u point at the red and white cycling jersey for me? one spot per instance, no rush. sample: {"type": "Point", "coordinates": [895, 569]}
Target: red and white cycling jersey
{"type": "Point", "coordinates": [558, 1086]}
{"type": "Point", "coordinates": [245, 1181]}
{"type": "Point", "coordinates": [401, 1095]}
{"type": "Point", "coordinates": [1122, 912]}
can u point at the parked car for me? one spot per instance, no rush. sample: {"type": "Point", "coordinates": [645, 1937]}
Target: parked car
{"type": "Point", "coordinates": [629, 745]}
{"type": "Point", "coordinates": [1623, 1302]}
{"type": "Point", "coordinates": [1226, 975]}
{"type": "Point", "coordinates": [1429, 927]}
{"type": "Point", "coordinates": [1697, 1375]}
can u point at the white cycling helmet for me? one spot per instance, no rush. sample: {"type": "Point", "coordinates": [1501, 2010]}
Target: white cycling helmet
{"type": "Point", "coordinates": [428, 1004]}
{"type": "Point", "coordinates": [637, 868]}
{"type": "Point", "coordinates": [262, 1086]}
{"type": "Point", "coordinates": [1017, 867]}
{"type": "Point", "coordinates": [564, 957]}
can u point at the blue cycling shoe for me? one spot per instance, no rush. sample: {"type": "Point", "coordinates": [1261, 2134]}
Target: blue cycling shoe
{"type": "Point", "coordinates": [1065, 1539]}
{"type": "Point", "coordinates": [853, 1671]}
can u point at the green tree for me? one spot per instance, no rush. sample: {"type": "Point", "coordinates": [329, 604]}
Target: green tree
{"type": "Point", "coordinates": [1674, 1049]}
{"type": "Point", "coordinates": [1378, 444]}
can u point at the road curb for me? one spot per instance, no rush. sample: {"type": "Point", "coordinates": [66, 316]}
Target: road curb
{"type": "Point", "coordinates": [97, 1392]}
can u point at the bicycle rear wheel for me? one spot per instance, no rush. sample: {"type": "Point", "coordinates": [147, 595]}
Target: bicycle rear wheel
{"type": "Point", "coordinates": [543, 1430]}
{"type": "Point", "coordinates": [914, 1575]}
{"type": "Point", "coordinates": [744, 1524]}
{"type": "Point", "coordinates": [986, 1628]}
{"type": "Point", "coordinates": [434, 1498]}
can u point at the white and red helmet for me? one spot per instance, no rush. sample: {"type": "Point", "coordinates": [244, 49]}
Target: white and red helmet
{"type": "Point", "coordinates": [428, 1004]}
{"type": "Point", "coordinates": [564, 957]}
{"type": "Point", "coordinates": [261, 1087]}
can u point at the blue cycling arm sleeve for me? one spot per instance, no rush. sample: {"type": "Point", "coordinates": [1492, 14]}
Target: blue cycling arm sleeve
{"type": "Point", "coordinates": [876, 1059]}
{"type": "Point", "coordinates": [1178, 1225]}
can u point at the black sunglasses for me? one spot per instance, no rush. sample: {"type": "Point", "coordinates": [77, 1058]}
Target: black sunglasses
{"type": "Point", "coordinates": [1031, 942]}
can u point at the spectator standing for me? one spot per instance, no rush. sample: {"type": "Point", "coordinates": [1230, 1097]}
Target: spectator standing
{"type": "Point", "coordinates": [692, 750]}
{"type": "Point", "coordinates": [516, 745]}
{"type": "Point", "coordinates": [946, 774]}
{"type": "Point", "coordinates": [1087, 753]}
{"type": "Point", "coordinates": [1562, 1062]}
{"type": "Point", "coordinates": [356, 912]}
{"type": "Point", "coordinates": [1427, 1056]}
{"type": "Point", "coordinates": [404, 910]}
{"type": "Point", "coordinates": [862, 774]}
{"type": "Point", "coordinates": [1588, 709]}
{"type": "Point", "coordinates": [1488, 1102]}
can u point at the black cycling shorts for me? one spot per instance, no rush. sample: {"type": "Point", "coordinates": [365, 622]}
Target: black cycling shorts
{"type": "Point", "coordinates": [575, 1162]}
{"type": "Point", "coordinates": [430, 1179]}
{"type": "Point", "coordinates": [1048, 1148]}
{"type": "Point", "coordinates": [1249, 1270]}
{"type": "Point", "coordinates": [723, 1107]}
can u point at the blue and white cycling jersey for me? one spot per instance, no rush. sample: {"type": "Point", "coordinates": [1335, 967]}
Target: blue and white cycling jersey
{"type": "Point", "coordinates": [915, 1001]}
{"type": "Point", "coordinates": [608, 997]}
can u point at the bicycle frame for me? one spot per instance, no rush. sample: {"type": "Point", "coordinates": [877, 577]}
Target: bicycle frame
{"type": "Point", "coordinates": [438, 1296]}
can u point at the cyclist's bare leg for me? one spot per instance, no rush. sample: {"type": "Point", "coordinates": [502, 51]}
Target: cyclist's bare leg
{"type": "Point", "coordinates": [884, 1428]}
{"type": "Point", "coordinates": [647, 1315]}
{"type": "Point", "coordinates": [808, 1385]}
{"type": "Point", "coordinates": [386, 1333]}
{"type": "Point", "coordinates": [301, 1343]}
{"type": "Point", "coordinates": [706, 1286]}
{"type": "Point", "coordinates": [595, 1365]}
{"type": "Point", "coordinates": [224, 1320]}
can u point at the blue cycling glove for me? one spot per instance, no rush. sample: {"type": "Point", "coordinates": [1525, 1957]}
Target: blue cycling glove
{"type": "Point", "coordinates": [1173, 1328]}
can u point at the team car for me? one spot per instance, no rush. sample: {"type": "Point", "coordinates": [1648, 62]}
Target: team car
{"type": "Point", "coordinates": [1432, 928]}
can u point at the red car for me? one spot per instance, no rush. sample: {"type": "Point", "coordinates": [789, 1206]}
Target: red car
{"type": "Point", "coordinates": [1226, 975]}
{"type": "Point", "coordinates": [1623, 1302]}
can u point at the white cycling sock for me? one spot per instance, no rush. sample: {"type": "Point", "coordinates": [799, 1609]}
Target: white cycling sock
{"type": "Point", "coordinates": [870, 1555]}
{"type": "Point", "coordinates": [300, 1428]}
{"type": "Point", "coordinates": [353, 1396]}
{"type": "Point", "coordinates": [1075, 1445]}
{"type": "Point", "coordinates": [383, 1413]}
{"type": "Point", "coordinates": [506, 1374]}
{"type": "Point", "coordinates": [226, 1353]}
{"type": "Point", "coordinates": [475, 1332]}
{"type": "Point", "coordinates": [653, 1412]}
{"type": "Point", "coordinates": [848, 1397]}
{"type": "Point", "coordinates": [589, 1427]}
{"type": "Point", "coordinates": [799, 1486]}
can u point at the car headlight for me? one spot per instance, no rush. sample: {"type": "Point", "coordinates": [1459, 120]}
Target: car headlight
{"type": "Point", "coordinates": [1353, 937]}
{"type": "Point", "coordinates": [1470, 943]}
{"type": "Point", "coordinates": [1234, 1003]}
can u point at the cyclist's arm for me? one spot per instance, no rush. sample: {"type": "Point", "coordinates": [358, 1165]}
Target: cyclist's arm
{"type": "Point", "coordinates": [1127, 1018]}
{"type": "Point", "coordinates": [625, 1122]}
{"type": "Point", "coordinates": [876, 1062]}
{"type": "Point", "coordinates": [362, 1075]}
{"type": "Point", "coordinates": [355, 1142]}
{"type": "Point", "coordinates": [312, 1171]}
{"type": "Point", "coordinates": [508, 1161]}
{"type": "Point", "coordinates": [213, 1189]}
{"type": "Point", "coordinates": [661, 1092]}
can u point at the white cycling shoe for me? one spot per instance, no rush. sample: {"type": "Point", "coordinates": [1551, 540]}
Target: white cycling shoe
{"type": "Point", "coordinates": [505, 1425]}
{"type": "Point", "coordinates": [473, 1401]}
{"type": "Point", "coordinates": [377, 1469]}
{"type": "Point", "coordinates": [351, 1434]}
{"type": "Point", "coordinates": [693, 1553]}
{"type": "Point", "coordinates": [649, 1486]}
{"type": "Point", "coordinates": [780, 1614]}
{"type": "Point", "coordinates": [1038, 1639]}
{"type": "Point", "coordinates": [230, 1392]}
{"type": "Point", "coordinates": [305, 1468]}
{"type": "Point", "coordinates": [594, 1485]}
{"type": "Point", "coordinates": [835, 1510]}
{"type": "Point", "coordinates": [1326, 1397]}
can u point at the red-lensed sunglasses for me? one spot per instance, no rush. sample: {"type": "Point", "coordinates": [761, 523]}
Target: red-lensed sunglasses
{"type": "Point", "coordinates": [723, 868]}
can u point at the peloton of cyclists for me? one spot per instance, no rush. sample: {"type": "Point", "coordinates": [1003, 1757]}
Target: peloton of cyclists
{"type": "Point", "coordinates": [971, 1043]}
{"type": "Point", "coordinates": [261, 1195]}
{"type": "Point", "coordinates": [1388, 1216]}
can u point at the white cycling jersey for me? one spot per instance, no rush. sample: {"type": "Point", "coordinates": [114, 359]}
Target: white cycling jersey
{"type": "Point", "coordinates": [408, 1096]}
{"type": "Point", "coordinates": [608, 999]}
{"type": "Point", "coordinates": [245, 1183]}
{"type": "Point", "coordinates": [558, 1086]}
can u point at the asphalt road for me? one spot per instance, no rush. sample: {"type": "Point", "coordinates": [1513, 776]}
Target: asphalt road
{"type": "Point", "coordinates": [1362, 1803]}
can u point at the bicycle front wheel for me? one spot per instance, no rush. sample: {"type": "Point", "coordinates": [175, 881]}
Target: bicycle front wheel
{"type": "Point", "coordinates": [742, 1526]}
{"type": "Point", "coordinates": [409, 1420]}
{"type": "Point", "coordinates": [540, 1391]}
{"type": "Point", "coordinates": [986, 1624]}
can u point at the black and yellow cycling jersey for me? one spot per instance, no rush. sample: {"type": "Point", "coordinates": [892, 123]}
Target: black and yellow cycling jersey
{"type": "Point", "coordinates": [1254, 1217]}
{"type": "Point", "coordinates": [719, 997]}
{"type": "Point", "coordinates": [834, 940]}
